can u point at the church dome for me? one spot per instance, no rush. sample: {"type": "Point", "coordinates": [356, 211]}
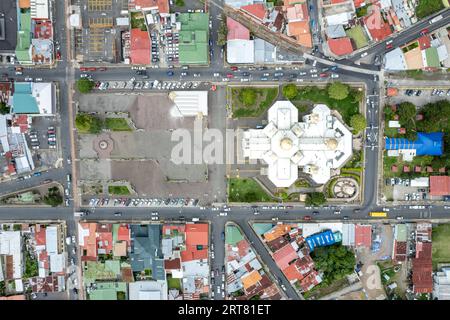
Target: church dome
{"type": "Point", "coordinates": [286, 144]}
{"type": "Point", "coordinates": [331, 144]}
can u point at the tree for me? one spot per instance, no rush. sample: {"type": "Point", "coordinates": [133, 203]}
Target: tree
{"type": "Point", "coordinates": [315, 199]}
{"type": "Point", "coordinates": [334, 261]}
{"type": "Point", "coordinates": [248, 96]}
{"type": "Point", "coordinates": [4, 108]}
{"type": "Point", "coordinates": [388, 112]}
{"type": "Point", "coordinates": [290, 91]}
{"type": "Point", "coordinates": [53, 197]}
{"type": "Point", "coordinates": [406, 112]}
{"type": "Point", "coordinates": [338, 91]}
{"type": "Point", "coordinates": [87, 123]}
{"type": "Point", "coordinates": [358, 122]}
{"type": "Point", "coordinates": [85, 85]}
{"type": "Point", "coordinates": [222, 32]}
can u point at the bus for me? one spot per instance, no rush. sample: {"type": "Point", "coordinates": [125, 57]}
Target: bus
{"type": "Point", "coordinates": [378, 214]}
{"type": "Point", "coordinates": [436, 19]}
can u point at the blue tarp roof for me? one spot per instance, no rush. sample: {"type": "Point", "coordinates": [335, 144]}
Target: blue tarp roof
{"type": "Point", "coordinates": [429, 144]}
{"type": "Point", "coordinates": [322, 239]}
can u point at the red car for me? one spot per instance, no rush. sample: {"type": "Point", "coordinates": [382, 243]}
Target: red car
{"type": "Point", "coordinates": [58, 55]}
{"type": "Point", "coordinates": [389, 46]}
{"type": "Point", "coordinates": [92, 69]}
{"type": "Point", "coordinates": [213, 87]}
{"type": "Point", "coordinates": [424, 31]}
{"type": "Point", "coordinates": [234, 68]}
{"type": "Point", "coordinates": [323, 75]}
{"type": "Point", "coordinates": [307, 218]}
{"type": "Point", "coordinates": [229, 75]}
{"type": "Point", "coordinates": [84, 69]}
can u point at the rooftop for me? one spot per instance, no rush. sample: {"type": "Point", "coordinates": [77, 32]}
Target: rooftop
{"type": "Point", "coordinates": [341, 46]}
{"type": "Point", "coordinates": [8, 25]}
{"type": "Point", "coordinates": [140, 47]}
{"type": "Point", "coordinates": [439, 185]}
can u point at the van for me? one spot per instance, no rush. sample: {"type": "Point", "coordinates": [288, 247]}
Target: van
{"type": "Point", "coordinates": [195, 219]}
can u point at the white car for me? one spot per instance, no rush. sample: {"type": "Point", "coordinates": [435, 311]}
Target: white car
{"type": "Point", "coordinates": [245, 80]}
{"type": "Point", "coordinates": [299, 80]}
{"type": "Point", "coordinates": [155, 218]}
{"type": "Point", "coordinates": [154, 213]}
{"type": "Point", "coordinates": [223, 214]}
{"type": "Point", "coordinates": [334, 75]}
{"type": "Point", "coordinates": [216, 75]}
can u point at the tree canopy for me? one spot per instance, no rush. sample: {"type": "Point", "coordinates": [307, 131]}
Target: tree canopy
{"type": "Point", "coordinates": [4, 108]}
{"type": "Point", "coordinates": [248, 96]}
{"type": "Point", "coordinates": [315, 199]}
{"type": "Point", "coordinates": [53, 197]}
{"type": "Point", "coordinates": [87, 123]}
{"type": "Point", "coordinates": [334, 261]}
{"type": "Point", "coordinates": [358, 122]}
{"type": "Point", "coordinates": [290, 91]}
{"type": "Point", "coordinates": [338, 90]}
{"type": "Point", "coordinates": [85, 85]}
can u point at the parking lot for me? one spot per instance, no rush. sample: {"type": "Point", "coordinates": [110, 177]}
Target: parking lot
{"type": "Point", "coordinates": [419, 97]}
{"type": "Point", "coordinates": [42, 138]}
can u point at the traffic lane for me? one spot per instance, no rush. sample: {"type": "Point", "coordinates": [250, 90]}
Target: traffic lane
{"type": "Point", "coordinates": [218, 263]}
{"type": "Point", "coordinates": [55, 175]}
{"type": "Point", "coordinates": [36, 213]}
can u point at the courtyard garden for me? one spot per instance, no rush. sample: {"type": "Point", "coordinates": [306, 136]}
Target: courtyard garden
{"type": "Point", "coordinates": [251, 101]}
{"type": "Point", "coordinates": [246, 190]}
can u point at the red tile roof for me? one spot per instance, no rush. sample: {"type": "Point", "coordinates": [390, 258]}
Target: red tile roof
{"type": "Point", "coordinates": [394, 168]}
{"type": "Point", "coordinates": [104, 241]}
{"type": "Point", "coordinates": [439, 185]}
{"type": "Point", "coordinates": [173, 264]}
{"type": "Point", "coordinates": [140, 47]}
{"type": "Point", "coordinates": [163, 5]}
{"type": "Point", "coordinates": [422, 268]}
{"type": "Point", "coordinates": [378, 29]}
{"type": "Point", "coordinates": [292, 273]}
{"type": "Point", "coordinates": [192, 254]}
{"type": "Point", "coordinates": [358, 3]}
{"type": "Point", "coordinates": [243, 247]}
{"type": "Point", "coordinates": [424, 42]}
{"type": "Point", "coordinates": [406, 169]}
{"type": "Point", "coordinates": [237, 30]}
{"type": "Point", "coordinates": [341, 46]}
{"type": "Point", "coordinates": [337, 1]}
{"type": "Point", "coordinates": [197, 234]}
{"type": "Point", "coordinates": [40, 235]}
{"type": "Point", "coordinates": [257, 10]}
{"type": "Point", "coordinates": [363, 235]}
{"type": "Point", "coordinates": [399, 251]}
{"type": "Point", "coordinates": [285, 255]}
{"type": "Point", "coordinates": [123, 233]}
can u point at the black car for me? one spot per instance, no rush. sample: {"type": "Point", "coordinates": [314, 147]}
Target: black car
{"type": "Point", "coordinates": [315, 213]}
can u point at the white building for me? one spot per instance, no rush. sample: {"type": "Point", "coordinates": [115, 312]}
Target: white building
{"type": "Point", "coordinates": [318, 145]}
{"type": "Point", "coordinates": [441, 284]}
{"type": "Point", "coordinates": [39, 9]}
{"type": "Point", "coordinates": [148, 290]}
{"type": "Point", "coordinates": [240, 51]}
{"type": "Point", "coordinates": [11, 245]}
{"type": "Point", "coordinates": [189, 103]}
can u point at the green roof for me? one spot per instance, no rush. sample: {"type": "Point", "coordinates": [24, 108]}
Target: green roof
{"type": "Point", "coordinates": [261, 228]}
{"type": "Point", "coordinates": [233, 235]}
{"type": "Point", "coordinates": [107, 290]}
{"type": "Point", "coordinates": [401, 232]}
{"type": "Point", "coordinates": [432, 57]}
{"type": "Point", "coordinates": [193, 47]}
{"type": "Point", "coordinates": [23, 101]}
{"type": "Point", "coordinates": [24, 38]}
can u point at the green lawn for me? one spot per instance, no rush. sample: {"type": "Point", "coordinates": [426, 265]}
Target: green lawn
{"type": "Point", "coordinates": [358, 36]}
{"type": "Point", "coordinates": [428, 7]}
{"type": "Point", "coordinates": [246, 190]}
{"type": "Point", "coordinates": [388, 162]}
{"type": "Point", "coordinates": [173, 283]}
{"type": "Point", "coordinates": [441, 244]}
{"type": "Point", "coordinates": [347, 107]}
{"type": "Point", "coordinates": [117, 124]}
{"type": "Point", "coordinates": [118, 190]}
{"type": "Point", "coordinates": [138, 21]}
{"type": "Point", "coordinates": [265, 97]}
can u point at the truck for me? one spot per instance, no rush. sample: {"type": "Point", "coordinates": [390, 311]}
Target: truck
{"type": "Point", "coordinates": [374, 214]}
{"type": "Point", "coordinates": [436, 19]}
